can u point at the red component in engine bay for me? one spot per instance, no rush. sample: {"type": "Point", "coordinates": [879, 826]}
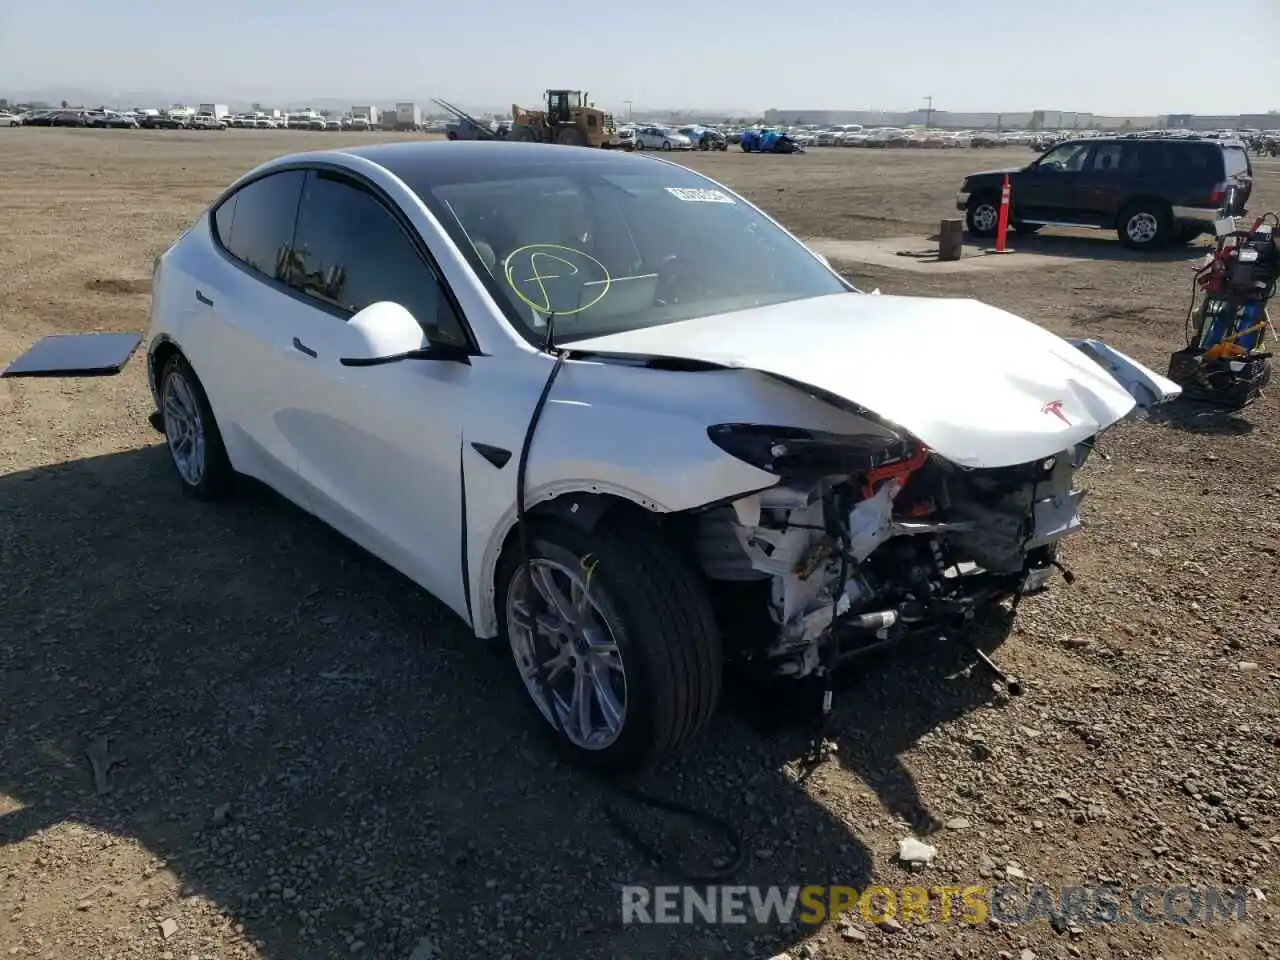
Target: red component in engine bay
{"type": "Point", "coordinates": [900, 471]}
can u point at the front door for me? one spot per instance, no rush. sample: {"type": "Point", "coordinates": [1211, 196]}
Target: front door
{"type": "Point", "coordinates": [1044, 191]}
{"type": "Point", "coordinates": [380, 447]}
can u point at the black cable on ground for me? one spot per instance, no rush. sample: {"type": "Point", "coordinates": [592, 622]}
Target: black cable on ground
{"type": "Point", "coordinates": [625, 830]}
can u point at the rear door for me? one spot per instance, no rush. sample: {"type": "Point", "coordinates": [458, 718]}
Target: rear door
{"type": "Point", "coordinates": [1113, 173]}
{"type": "Point", "coordinates": [246, 338]}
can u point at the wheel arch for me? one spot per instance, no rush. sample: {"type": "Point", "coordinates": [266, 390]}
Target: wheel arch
{"type": "Point", "coordinates": [583, 505]}
{"type": "Point", "coordinates": [163, 349]}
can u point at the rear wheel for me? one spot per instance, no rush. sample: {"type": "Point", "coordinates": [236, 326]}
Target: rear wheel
{"type": "Point", "coordinates": [629, 650]}
{"type": "Point", "coordinates": [666, 144]}
{"type": "Point", "coordinates": [195, 442]}
{"type": "Point", "coordinates": [1144, 225]}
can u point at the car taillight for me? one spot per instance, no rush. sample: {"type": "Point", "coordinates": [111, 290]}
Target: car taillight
{"type": "Point", "coordinates": [1219, 193]}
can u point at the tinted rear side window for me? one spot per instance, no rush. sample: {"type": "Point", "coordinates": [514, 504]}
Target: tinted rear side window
{"type": "Point", "coordinates": [262, 222]}
{"type": "Point", "coordinates": [1153, 158]}
{"type": "Point", "coordinates": [1201, 161]}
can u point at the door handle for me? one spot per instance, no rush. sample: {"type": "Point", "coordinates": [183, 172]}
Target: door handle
{"type": "Point", "coordinates": [203, 299]}
{"type": "Point", "coordinates": [303, 348]}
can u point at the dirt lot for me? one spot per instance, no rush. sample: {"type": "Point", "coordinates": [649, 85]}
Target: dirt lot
{"type": "Point", "coordinates": [314, 761]}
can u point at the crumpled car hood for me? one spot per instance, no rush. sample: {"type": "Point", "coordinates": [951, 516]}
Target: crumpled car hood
{"type": "Point", "coordinates": [977, 384]}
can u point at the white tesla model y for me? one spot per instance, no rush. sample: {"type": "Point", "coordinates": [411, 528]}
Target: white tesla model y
{"type": "Point", "coordinates": [606, 409]}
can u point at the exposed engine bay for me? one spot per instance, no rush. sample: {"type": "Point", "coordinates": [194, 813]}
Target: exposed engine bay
{"type": "Point", "coordinates": [907, 543]}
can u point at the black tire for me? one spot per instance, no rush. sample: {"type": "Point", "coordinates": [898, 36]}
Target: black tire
{"type": "Point", "coordinates": [1144, 225]}
{"type": "Point", "coordinates": [665, 631]}
{"type": "Point", "coordinates": [666, 144]}
{"type": "Point", "coordinates": [982, 218]}
{"type": "Point", "coordinates": [216, 479]}
{"type": "Point", "coordinates": [1026, 227]}
{"type": "Point", "coordinates": [571, 137]}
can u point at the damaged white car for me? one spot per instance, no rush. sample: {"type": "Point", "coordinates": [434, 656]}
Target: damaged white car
{"type": "Point", "coordinates": [607, 410]}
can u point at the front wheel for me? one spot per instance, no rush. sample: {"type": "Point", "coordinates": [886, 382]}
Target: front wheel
{"type": "Point", "coordinates": [195, 443]}
{"type": "Point", "coordinates": [629, 650]}
{"type": "Point", "coordinates": [983, 215]}
{"type": "Point", "coordinates": [666, 144]}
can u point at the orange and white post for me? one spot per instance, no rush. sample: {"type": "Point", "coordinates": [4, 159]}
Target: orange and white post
{"type": "Point", "coordinates": [1002, 228]}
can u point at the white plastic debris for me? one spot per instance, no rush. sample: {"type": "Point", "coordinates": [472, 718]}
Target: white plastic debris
{"type": "Point", "coordinates": [911, 850]}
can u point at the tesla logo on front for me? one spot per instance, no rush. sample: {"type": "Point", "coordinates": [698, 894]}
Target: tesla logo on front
{"type": "Point", "coordinates": [1055, 407]}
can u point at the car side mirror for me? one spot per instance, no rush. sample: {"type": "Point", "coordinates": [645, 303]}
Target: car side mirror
{"type": "Point", "coordinates": [386, 332]}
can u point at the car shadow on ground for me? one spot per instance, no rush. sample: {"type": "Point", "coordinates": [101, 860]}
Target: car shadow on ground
{"type": "Point", "coordinates": [1088, 245]}
{"type": "Point", "coordinates": [1196, 416]}
{"type": "Point", "coordinates": [321, 754]}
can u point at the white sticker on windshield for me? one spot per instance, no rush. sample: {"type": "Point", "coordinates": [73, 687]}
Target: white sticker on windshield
{"type": "Point", "coordinates": [694, 195]}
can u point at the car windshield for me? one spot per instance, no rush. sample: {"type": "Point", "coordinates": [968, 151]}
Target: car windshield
{"type": "Point", "coordinates": [606, 250]}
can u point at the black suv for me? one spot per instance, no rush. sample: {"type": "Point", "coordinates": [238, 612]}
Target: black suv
{"type": "Point", "coordinates": [1150, 191]}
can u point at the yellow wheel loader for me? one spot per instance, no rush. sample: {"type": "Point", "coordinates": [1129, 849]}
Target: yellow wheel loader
{"type": "Point", "coordinates": [567, 118]}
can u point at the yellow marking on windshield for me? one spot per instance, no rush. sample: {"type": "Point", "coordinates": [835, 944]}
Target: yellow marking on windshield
{"type": "Point", "coordinates": [539, 258]}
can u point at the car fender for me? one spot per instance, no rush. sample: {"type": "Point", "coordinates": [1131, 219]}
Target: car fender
{"type": "Point", "coordinates": [1147, 387]}
{"type": "Point", "coordinates": [616, 430]}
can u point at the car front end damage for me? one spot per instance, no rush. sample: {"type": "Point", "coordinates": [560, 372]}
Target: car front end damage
{"type": "Point", "coordinates": [868, 541]}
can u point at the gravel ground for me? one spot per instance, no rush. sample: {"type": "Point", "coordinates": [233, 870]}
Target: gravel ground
{"type": "Point", "coordinates": [307, 758]}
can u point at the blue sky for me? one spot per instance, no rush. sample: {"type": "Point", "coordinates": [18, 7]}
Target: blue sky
{"type": "Point", "coordinates": [1104, 56]}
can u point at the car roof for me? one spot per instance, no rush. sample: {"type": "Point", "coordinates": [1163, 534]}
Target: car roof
{"type": "Point", "coordinates": [445, 161]}
{"type": "Point", "coordinates": [1211, 141]}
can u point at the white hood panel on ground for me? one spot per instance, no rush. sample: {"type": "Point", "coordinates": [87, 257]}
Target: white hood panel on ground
{"type": "Point", "coordinates": [979, 385]}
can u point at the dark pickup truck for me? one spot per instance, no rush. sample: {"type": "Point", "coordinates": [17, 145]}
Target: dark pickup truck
{"type": "Point", "coordinates": [1152, 192]}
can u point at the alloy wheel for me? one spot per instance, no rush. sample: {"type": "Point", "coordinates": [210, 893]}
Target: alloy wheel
{"type": "Point", "coordinates": [566, 625]}
{"type": "Point", "coordinates": [183, 428]}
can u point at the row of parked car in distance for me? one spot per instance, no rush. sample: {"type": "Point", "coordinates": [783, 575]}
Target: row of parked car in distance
{"type": "Point", "coordinates": [174, 120]}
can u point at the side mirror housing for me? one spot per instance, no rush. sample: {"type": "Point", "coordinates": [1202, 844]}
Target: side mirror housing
{"type": "Point", "coordinates": [386, 332]}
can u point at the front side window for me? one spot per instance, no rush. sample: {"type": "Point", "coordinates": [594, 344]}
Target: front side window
{"type": "Point", "coordinates": [606, 247]}
{"type": "Point", "coordinates": [261, 216]}
{"type": "Point", "coordinates": [350, 251]}
{"type": "Point", "coordinates": [1067, 158]}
